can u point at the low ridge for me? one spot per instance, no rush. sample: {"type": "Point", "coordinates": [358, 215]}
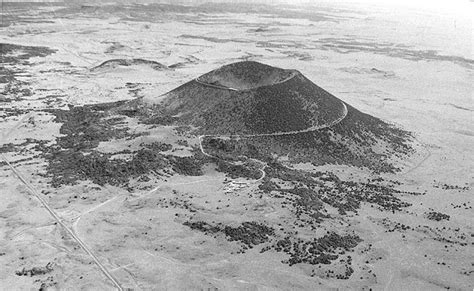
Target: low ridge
{"type": "Point", "coordinates": [115, 63]}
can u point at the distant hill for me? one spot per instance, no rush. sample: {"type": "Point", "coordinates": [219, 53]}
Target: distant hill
{"type": "Point", "coordinates": [116, 63]}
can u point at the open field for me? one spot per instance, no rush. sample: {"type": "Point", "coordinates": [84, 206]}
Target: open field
{"type": "Point", "coordinates": [137, 203]}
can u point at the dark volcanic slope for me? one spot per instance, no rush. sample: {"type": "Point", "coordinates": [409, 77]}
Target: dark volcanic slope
{"type": "Point", "coordinates": [358, 140]}
{"type": "Point", "coordinates": [253, 98]}
{"type": "Point", "coordinates": [278, 112]}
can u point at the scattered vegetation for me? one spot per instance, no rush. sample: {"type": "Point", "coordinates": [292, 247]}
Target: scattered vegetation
{"type": "Point", "coordinates": [248, 233]}
{"type": "Point", "coordinates": [85, 127]}
{"type": "Point", "coordinates": [238, 171]}
{"type": "Point", "coordinates": [35, 271]}
{"type": "Point", "coordinates": [68, 166]}
{"type": "Point", "coordinates": [188, 166]}
{"type": "Point", "coordinates": [445, 186]}
{"type": "Point", "coordinates": [74, 157]}
{"type": "Point", "coordinates": [321, 250]}
{"type": "Point", "coordinates": [20, 54]}
{"type": "Point", "coordinates": [12, 56]}
{"type": "Point", "coordinates": [315, 188]}
{"type": "Point", "coordinates": [158, 146]}
{"type": "Point", "coordinates": [438, 216]}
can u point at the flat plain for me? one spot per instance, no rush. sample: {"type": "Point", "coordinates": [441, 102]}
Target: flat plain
{"type": "Point", "coordinates": [193, 224]}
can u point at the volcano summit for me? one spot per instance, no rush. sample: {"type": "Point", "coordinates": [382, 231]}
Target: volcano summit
{"type": "Point", "coordinates": [248, 98]}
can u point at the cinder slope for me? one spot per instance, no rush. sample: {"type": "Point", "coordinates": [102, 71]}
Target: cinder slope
{"type": "Point", "coordinates": [358, 140]}
{"type": "Point", "coordinates": [253, 98]}
{"type": "Point", "coordinates": [277, 112]}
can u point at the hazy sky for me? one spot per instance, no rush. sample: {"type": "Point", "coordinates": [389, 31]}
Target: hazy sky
{"type": "Point", "coordinates": [443, 5]}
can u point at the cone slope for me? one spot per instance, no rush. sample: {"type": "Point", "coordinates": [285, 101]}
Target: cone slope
{"type": "Point", "coordinates": [252, 98]}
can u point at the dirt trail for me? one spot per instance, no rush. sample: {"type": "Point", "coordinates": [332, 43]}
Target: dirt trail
{"type": "Point", "coordinates": [53, 213]}
{"type": "Point", "coordinates": [215, 86]}
{"type": "Point", "coordinates": [264, 165]}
